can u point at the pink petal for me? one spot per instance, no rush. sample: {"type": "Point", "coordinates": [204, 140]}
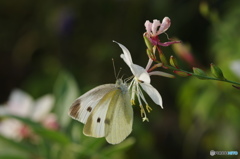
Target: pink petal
{"type": "Point", "coordinates": [148, 26]}
{"type": "Point", "coordinates": [155, 25]}
{"type": "Point", "coordinates": [50, 122]}
{"type": "Point", "coordinates": [165, 25]}
{"type": "Point", "coordinates": [168, 43]}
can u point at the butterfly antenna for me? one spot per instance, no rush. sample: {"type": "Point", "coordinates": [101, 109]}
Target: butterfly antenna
{"type": "Point", "coordinates": [116, 74]}
{"type": "Point", "coordinates": [114, 69]}
{"type": "Point", "coordinates": [120, 69]}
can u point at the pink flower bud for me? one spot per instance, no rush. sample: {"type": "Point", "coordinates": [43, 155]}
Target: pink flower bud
{"type": "Point", "coordinates": [156, 28]}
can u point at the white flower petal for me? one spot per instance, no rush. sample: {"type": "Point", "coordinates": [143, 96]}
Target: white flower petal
{"type": "Point", "coordinates": [10, 128]}
{"type": "Point", "coordinates": [137, 70]}
{"type": "Point", "coordinates": [149, 64]}
{"type": "Point", "coordinates": [3, 110]}
{"type": "Point", "coordinates": [235, 67]}
{"type": "Point", "coordinates": [42, 108]}
{"type": "Point", "coordinates": [20, 103]}
{"type": "Point", "coordinates": [160, 73]}
{"type": "Point", "coordinates": [153, 93]}
{"type": "Point", "coordinates": [140, 73]}
{"type": "Point", "coordinates": [126, 56]}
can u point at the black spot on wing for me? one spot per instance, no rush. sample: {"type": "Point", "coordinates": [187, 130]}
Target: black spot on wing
{"type": "Point", "coordinates": [89, 109]}
{"type": "Point", "coordinates": [98, 120]}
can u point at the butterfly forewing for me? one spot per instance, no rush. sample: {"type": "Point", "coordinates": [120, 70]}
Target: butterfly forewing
{"type": "Point", "coordinates": [95, 125]}
{"type": "Point", "coordinates": [84, 105]}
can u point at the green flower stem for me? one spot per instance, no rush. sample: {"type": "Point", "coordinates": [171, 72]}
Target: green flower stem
{"type": "Point", "coordinates": [201, 76]}
{"type": "Point", "coordinates": [167, 66]}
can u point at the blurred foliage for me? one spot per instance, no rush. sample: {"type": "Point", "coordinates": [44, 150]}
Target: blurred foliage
{"type": "Point", "coordinates": [67, 142]}
{"type": "Point", "coordinates": [65, 47]}
{"type": "Point", "coordinates": [209, 110]}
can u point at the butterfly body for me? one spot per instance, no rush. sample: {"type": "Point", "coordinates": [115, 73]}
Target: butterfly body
{"type": "Point", "coordinates": [106, 112]}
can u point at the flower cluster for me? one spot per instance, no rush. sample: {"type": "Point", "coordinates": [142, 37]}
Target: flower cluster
{"type": "Point", "coordinates": [141, 76]}
{"type": "Point", "coordinates": [22, 105]}
{"type": "Point", "coordinates": [156, 28]}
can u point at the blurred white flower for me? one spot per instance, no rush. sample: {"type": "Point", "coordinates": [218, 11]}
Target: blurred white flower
{"type": "Point", "coordinates": [23, 105]}
{"type": "Point", "coordinates": [12, 128]}
{"type": "Point", "coordinates": [50, 122]}
{"type": "Point", "coordinates": [235, 67]}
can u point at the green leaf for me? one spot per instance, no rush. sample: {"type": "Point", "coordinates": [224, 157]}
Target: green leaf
{"type": "Point", "coordinates": [217, 72]}
{"type": "Point", "coordinates": [14, 145]}
{"type": "Point", "coordinates": [126, 144]}
{"type": "Point", "coordinates": [173, 62]}
{"type": "Point", "coordinates": [65, 91]}
{"type": "Point", "coordinates": [8, 156]}
{"type": "Point", "coordinates": [91, 145]}
{"type": "Point", "coordinates": [199, 72]}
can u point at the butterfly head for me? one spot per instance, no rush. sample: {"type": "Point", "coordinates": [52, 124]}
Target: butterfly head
{"type": "Point", "coordinates": [121, 85]}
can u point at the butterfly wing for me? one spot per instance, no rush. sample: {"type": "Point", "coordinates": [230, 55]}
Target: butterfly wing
{"type": "Point", "coordinates": [95, 125]}
{"type": "Point", "coordinates": [119, 118]}
{"type": "Point", "coordinates": [106, 111]}
{"type": "Point", "coordinates": [85, 104]}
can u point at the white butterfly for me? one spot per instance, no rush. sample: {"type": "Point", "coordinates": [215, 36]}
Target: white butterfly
{"type": "Point", "coordinates": [106, 112]}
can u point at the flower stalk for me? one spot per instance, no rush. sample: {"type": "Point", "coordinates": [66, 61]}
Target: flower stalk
{"type": "Point", "coordinates": [202, 76]}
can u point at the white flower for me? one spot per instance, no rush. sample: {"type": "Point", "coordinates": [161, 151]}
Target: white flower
{"type": "Point", "coordinates": [142, 78]}
{"type": "Point", "coordinates": [12, 128]}
{"type": "Point", "coordinates": [21, 104]}
{"type": "Point", "coordinates": [235, 67]}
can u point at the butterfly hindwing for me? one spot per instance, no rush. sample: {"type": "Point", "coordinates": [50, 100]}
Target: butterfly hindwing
{"type": "Point", "coordinates": [119, 119]}
{"type": "Point", "coordinates": [85, 104]}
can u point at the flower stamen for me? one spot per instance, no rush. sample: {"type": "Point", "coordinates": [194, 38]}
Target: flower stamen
{"type": "Point", "coordinates": [149, 109]}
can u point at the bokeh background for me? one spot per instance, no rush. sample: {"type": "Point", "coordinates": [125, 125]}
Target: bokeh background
{"type": "Point", "coordinates": [65, 48]}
